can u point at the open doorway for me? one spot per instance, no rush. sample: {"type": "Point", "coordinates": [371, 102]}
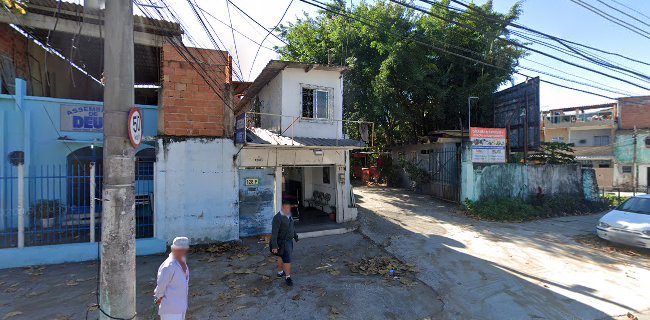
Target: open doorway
{"type": "Point", "coordinates": [312, 191]}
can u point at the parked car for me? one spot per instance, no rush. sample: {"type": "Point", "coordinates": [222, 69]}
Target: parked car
{"type": "Point", "coordinates": [628, 224]}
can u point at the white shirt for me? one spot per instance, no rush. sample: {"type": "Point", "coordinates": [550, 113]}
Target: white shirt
{"type": "Point", "coordinates": [173, 285]}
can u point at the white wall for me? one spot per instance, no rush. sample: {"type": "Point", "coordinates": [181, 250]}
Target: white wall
{"type": "Point", "coordinates": [271, 102]}
{"type": "Point", "coordinates": [283, 95]}
{"type": "Point", "coordinates": [196, 187]}
{"type": "Point", "coordinates": [273, 157]}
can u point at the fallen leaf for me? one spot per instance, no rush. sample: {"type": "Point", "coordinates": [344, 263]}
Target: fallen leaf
{"type": "Point", "coordinates": [71, 283]}
{"type": "Point", "coordinates": [12, 314]}
{"type": "Point", "coordinates": [296, 297]}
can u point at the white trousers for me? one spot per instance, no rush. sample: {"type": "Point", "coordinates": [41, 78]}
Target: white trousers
{"type": "Point", "coordinates": [172, 316]}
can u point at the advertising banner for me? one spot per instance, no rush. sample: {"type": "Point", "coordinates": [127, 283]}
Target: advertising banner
{"type": "Point", "coordinates": [488, 145]}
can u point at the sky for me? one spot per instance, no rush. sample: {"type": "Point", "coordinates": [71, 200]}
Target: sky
{"type": "Point", "coordinates": [561, 18]}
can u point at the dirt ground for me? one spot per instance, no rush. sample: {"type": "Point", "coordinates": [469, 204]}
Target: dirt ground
{"type": "Point", "coordinates": [547, 269]}
{"type": "Point", "coordinates": [240, 283]}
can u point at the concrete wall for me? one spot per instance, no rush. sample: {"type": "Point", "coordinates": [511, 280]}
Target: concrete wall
{"type": "Point", "coordinates": [196, 190]}
{"type": "Point", "coordinates": [550, 133]}
{"type": "Point", "coordinates": [605, 177]}
{"type": "Point", "coordinates": [480, 182]}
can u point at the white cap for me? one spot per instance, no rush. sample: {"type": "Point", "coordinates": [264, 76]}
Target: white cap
{"type": "Point", "coordinates": [181, 243]}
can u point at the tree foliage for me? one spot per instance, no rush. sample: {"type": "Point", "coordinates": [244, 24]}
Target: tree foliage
{"type": "Point", "coordinates": [554, 153]}
{"type": "Point", "coordinates": [397, 78]}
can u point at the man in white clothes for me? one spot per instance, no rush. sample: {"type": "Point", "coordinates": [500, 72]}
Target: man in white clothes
{"type": "Point", "coordinates": [173, 280]}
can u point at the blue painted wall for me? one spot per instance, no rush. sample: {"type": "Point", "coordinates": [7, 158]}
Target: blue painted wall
{"type": "Point", "coordinates": [33, 125]}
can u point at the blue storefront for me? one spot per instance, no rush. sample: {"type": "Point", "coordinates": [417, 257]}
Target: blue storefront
{"type": "Point", "coordinates": [61, 139]}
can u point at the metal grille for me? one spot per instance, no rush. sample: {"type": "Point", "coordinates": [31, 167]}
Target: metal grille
{"type": "Point", "coordinates": [444, 166]}
{"type": "Point", "coordinates": [57, 204]}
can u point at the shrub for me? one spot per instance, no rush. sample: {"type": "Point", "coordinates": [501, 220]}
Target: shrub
{"type": "Point", "coordinates": [418, 176]}
{"type": "Point", "coordinates": [515, 209]}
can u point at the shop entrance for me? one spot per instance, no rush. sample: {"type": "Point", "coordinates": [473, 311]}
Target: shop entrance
{"type": "Point", "coordinates": [312, 191]}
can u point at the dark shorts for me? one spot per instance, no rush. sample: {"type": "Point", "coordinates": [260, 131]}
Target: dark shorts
{"type": "Point", "coordinates": [287, 245]}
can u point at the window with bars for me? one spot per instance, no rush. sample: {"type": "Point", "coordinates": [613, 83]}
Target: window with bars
{"type": "Point", "coordinates": [315, 102]}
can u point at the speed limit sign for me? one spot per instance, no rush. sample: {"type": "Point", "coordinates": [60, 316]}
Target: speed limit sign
{"type": "Point", "coordinates": [135, 127]}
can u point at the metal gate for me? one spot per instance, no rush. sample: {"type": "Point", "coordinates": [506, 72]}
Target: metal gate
{"type": "Point", "coordinates": [444, 167]}
{"type": "Point", "coordinates": [256, 201]}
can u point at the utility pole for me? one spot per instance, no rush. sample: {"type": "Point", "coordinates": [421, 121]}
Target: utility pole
{"type": "Point", "coordinates": [635, 175]}
{"type": "Point", "coordinates": [526, 128]}
{"type": "Point", "coordinates": [117, 279]}
{"type": "Point", "coordinates": [469, 112]}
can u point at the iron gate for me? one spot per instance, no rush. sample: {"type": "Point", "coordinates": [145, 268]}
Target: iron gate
{"type": "Point", "coordinates": [444, 167]}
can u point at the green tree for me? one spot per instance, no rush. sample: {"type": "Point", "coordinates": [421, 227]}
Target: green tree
{"type": "Point", "coordinates": [554, 153]}
{"type": "Point", "coordinates": [397, 78]}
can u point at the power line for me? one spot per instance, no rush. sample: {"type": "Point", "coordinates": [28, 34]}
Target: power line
{"type": "Point", "coordinates": [537, 32]}
{"type": "Point", "coordinates": [613, 19]}
{"type": "Point", "coordinates": [186, 54]}
{"type": "Point", "coordinates": [267, 35]}
{"type": "Point", "coordinates": [378, 26]}
{"type": "Point", "coordinates": [577, 53]}
{"type": "Point", "coordinates": [235, 29]}
{"type": "Point", "coordinates": [209, 31]}
{"type": "Point", "coordinates": [232, 31]}
{"type": "Point", "coordinates": [259, 24]}
{"type": "Point", "coordinates": [515, 43]}
{"type": "Point", "coordinates": [631, 9]}
{"type": "Point", "coordinates": [577, 76]}
{"type": "Point", "coordinates": [624, 13]}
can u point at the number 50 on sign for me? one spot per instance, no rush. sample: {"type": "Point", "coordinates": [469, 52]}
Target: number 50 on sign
{"type": "Point", "coordinates": [135, 127]}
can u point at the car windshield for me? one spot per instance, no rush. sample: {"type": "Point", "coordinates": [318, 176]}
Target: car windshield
{"type": "Point", "coordinates": [636, 205]}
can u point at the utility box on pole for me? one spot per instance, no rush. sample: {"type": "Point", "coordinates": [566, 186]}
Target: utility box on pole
{"type": "Point", "coordinates": [117, 290]}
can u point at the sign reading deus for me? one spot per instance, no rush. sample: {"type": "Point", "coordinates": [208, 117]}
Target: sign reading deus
{"type": "Point", "coordinates": [79, 118]}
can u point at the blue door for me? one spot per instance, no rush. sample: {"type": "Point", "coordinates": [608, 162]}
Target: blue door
{"type": "Point", "coordinates": [256, 201]}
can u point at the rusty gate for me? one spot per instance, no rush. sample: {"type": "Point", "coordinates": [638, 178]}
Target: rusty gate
{"type": "Point", "coordinates": [444, 168]}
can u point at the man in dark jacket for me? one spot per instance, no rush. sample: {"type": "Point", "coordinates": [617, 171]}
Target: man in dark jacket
{"type": "Point", "coordinates": [282, 236]}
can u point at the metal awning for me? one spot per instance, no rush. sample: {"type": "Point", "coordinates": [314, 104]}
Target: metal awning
{"type": "Point", "coordinates": [265, 138]}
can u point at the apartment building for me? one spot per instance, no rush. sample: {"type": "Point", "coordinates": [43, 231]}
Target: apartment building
{"type": "Point", "coordinates": [592, 130]}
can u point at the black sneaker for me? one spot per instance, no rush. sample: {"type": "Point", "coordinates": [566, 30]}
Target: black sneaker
{"type": "Point", "coordinates": [281, 274]}
{"type": "Point", "coordinates": [289, 281]}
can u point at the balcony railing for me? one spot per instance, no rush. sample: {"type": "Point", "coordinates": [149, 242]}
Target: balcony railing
{"type": "Point", "coordinates": [603, 118]}
{"type": "Point", "coordinates": [291, 130]}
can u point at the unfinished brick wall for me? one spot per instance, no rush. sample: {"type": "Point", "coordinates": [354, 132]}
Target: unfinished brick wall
{"type": "Point", "coordinates": [634, 111]}
{"type": "Point", "coordinates": [13, 45]}
{"type": "Point", "coordinates": [188, 104]}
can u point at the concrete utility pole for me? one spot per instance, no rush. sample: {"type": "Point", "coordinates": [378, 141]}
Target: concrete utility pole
{"type": "Point", "coordinates": [117, 279]}
{"type": "Point", "coordinates": [635, 173]}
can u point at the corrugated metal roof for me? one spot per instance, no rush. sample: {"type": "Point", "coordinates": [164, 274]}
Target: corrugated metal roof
{"type": "Point", "coordinates": [257, 136]}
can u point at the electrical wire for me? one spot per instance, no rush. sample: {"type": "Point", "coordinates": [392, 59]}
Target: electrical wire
{"type": "Point", "coordinates": [234, 41]}
{"type": "Point", "coordinates": [555, 38]}
{"type": "Point", "coordinates": [259, 24]}
{"type": "Point", "coordinates": [613, 19]}
{"type": "Point", "coordinates": [378, 26]}
{"type": "Point", "coordinates": [515, 43]}
{"type": "Point", "coordinates": [631, 9]}
{"type": "Point", "coordinates": [267, 35]}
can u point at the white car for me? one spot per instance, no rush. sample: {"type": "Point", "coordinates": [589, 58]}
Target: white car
{"type": "Point", "coordinates": [628, 224]}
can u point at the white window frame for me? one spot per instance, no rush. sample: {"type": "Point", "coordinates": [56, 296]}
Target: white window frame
{"type": "Point", "coordinates": [330, 101]}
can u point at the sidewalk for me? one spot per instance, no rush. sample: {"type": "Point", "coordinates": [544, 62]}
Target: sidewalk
{"type": "Point", "coordinates": [239, 284]}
